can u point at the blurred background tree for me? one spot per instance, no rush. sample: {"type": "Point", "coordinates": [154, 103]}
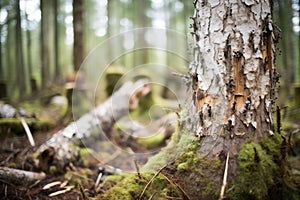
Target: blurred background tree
{"type": "Point", "coordinates": [44, 42]}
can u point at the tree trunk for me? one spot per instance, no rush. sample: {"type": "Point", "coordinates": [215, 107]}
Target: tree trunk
{"type": "Point", "coordinates": [21, 75]}
{"type": "Point", "coordinates": [45, 42]}
{"type": "Point", "coordinates": [232, 80]}
{"type": "Point", "coordinates": [58, 75]}
{"type": "Point", "coordinates": [3, 92]}
{"type": "Point", "coordinates": [78, 34]}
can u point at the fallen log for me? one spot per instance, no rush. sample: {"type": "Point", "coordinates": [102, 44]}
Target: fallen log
{"type": "Point", "coordinates": [19, 177]}
{"type": "Point", "coordinates": [60, 150]}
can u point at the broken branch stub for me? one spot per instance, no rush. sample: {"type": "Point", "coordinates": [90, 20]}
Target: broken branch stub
{"type": "Point", "coordinates": [20, 177]}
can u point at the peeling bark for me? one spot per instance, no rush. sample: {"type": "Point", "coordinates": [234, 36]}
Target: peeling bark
{"type": "Point", "coordinates": [232, 76]}
{"type": "Point", "coordinates": [232, 73]}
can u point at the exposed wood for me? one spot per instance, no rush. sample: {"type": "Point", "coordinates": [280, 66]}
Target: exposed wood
{"type": "Point", "coordinates": [60, 150]}
{"type": "Point", "coordinates": [19, 177]}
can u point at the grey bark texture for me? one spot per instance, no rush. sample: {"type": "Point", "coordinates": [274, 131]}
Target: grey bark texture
{"type": "Point", "coordinates": [232, 80]}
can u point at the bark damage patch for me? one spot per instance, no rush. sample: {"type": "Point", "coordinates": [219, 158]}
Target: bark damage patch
{"type": "Point", "coordinates": [240, 91]}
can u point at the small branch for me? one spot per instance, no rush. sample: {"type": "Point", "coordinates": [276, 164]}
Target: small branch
{"type": "Point", "coordinates": [224, 178]}
{"type": "Point", "coordinates": [183, 193]}
{"type": "Point", "coordinates": [28, 132]}
{"type": "Point", "coordinates": [137, 169]}
{"type": "Point", "coordinates": [98, 180]}
{"type": "Point", "coordinates": [151, 180]}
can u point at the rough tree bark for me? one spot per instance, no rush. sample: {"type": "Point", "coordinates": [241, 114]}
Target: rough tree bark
{"type": "Point", "coordinates": [232, 75]}
{"type": "Point", "coordinates": [232, 80]}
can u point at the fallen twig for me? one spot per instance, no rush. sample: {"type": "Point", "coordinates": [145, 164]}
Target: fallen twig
{"type": "Point", "coordinates": [137, 169]}
{"type": "Point", "coordinates": [184, 194]}
{"type": "Point", "coordinates": [224, 178]}
{"type": "Point", "coordinates": [98, 180]}
{"type": "Point", "coordinates": [151, 180]}
{"type": "Point", "coordinates": [68, 188]}
{"type": "Point", "coordinates": [50, 185]}
{"type": "Point", "coordinates": [28, 132]}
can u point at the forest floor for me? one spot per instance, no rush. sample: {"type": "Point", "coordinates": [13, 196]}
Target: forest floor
{"type": "Point", "coordinates": [78, 181]}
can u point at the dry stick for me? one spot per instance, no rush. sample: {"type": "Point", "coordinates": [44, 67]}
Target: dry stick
{"type": "Point", "coordinates": [152, 196]}
{"type": "Point", "coordinates": [151, 180]}
{"type": "Point", "coordinates": [50, 185]}
{"type": "Point", "coordinates": [137, 169]}
{"type": "Point", "coordinates": [98, 180]}
{"type": "Point", "coordinates": [28, 132]}
{"type": "Point", "coordinates": [69, 188]}
{"type": "Point", "coordinates": [224, 178]}
{"type": "Point", "coordinates": [184, 194]}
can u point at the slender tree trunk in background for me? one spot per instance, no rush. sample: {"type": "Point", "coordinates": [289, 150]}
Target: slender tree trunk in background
{"type": "Point", "coordinates": [232, 88]}
{"type": "Point", "coordinates": [32, 82]}
{"type": "Point", "coordinates": [10, 61]}
{"type": "Point", "coordinates": [21, 73]}
{"type": "Point", "coordinates": [3, 92]}
{"type": "Point", "coordinates": [45, 43]}
{"type": "Point", "coordinates": [288, 51]}
{"type": "Point", "coordinates": [78, 34]}
{"type": "Point", "coordinates": [291, 42]}
{"type": "Point", "coordinates": [140, 55]}
{"type": "Point", "coordinates": [298, 67]}
{"type": "Point", "coordinates": [143, 23]}
{"type": "Point", "coordinates": [111, 29]}
{"type": "Point", "coordinates": [58, 75]}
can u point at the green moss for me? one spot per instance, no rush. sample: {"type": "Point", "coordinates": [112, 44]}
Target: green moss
{"type": "Point", "coordinates": [256, 169]}
{"type": "Point", "coordinates": [113, 75]}
{"type": "Point", "coordinates": [53, 169]}
{"type": "Point", "coordinates": [12, 165]}
{"type": "Point", "coordinates": [153, 142]}
{"type": "Point", "coordinates": [82, 176]}
{"type": "Point", "coordinates": [263, 172]}
{"type": "Point", "coordinates": [182, 167]}
{"type": "Point", "coordinates": [130, 186]}
{"type": "Point", "coordinates": [198, 173]}
{"type": "Point", "coordinates": [14, 125]}
{"type": "Point", "coordinates": [179, 144]}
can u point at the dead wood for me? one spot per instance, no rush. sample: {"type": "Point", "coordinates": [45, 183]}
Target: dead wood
{"type": "Point", "coordinates": [19, 177]}
{"type": "Point", "coordinates": [60, 150]}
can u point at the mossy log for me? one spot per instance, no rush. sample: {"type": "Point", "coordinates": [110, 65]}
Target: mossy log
{"type": "Point", "coordinates": [61, 150]}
